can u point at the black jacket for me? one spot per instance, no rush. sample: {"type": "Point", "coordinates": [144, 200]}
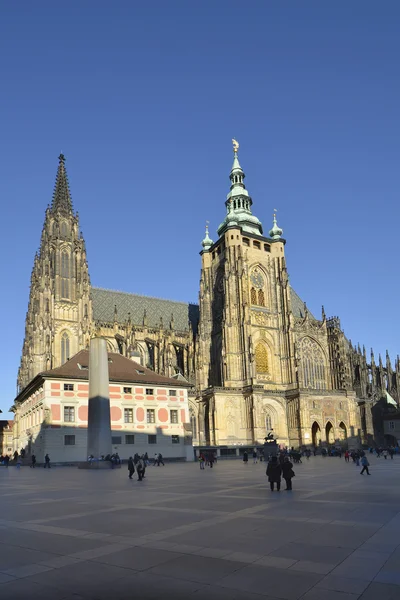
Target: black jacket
{"type": "Point", "coordinates": [287, 470]}
{"type": "Point", "coordinates": [274, 472]}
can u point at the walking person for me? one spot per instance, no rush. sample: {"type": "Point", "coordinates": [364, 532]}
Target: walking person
{"type": "Point", "coordinates": [245, 457]}
{"type": "Point", "coordinates": [33, 461]}
{"type": "Point", "coordinates": [202, 460]}
{"type": "Point", "coordinates": [155, 460]}
{"type": "Point", "coordinates": [288, 473]}
{"type": "Point", "coordinates": [274, 472]}
{"type": "Point", "coordinates": [347, 456]}
{"type": "Point", "coordinates": [131, 467]}
{"type": "Point", "coordinates": [160, 460]}
{"type": "Point", "coordinates": [210, 459]}
{"type": "Point", "coordinates": [255, 458]}
{"type": "Point", "coordinates": [365, 465]}
{"type": "Point", "coordinates": [140, 469]}
{"type": "Point", "coordinates": [385, 454]}
{"type": "Point", "coordinates": [47, 462]}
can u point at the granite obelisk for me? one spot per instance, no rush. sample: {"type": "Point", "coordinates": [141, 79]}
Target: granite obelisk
{"type": "Point", "coordinates": [99, 423]}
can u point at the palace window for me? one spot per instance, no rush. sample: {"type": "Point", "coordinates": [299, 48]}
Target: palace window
{"type": "Point", "coordinates": [257, 245]}
{"type": "Point", "coordinates": [128, 415]}
{"type": "Point", "coordinates": [65, 274]}
{"type": "Point", "coordinates": [69, 440]}
{"type": "Point", "coordinates": [172, 392]}
{"type": "Point", "coordinates": [152, 439]}
{"type": "Point", "coordinates": [69, 414]}
{"type": "Point", "coordinates": [151, 415]}
{"type": "Point", "coordinates": [130, 439]}
{"type": "Point", "coordinates": [69, 387]}
{"type": "Point", "coordinates": [149, 392]}
{"type": "Point", "coordinates": [312, 364]}
{"type": "Point", "coordinates": [391, 424]}
{"type": "Point", "coordinates": [261, 355]}
{"type": "Point", "coordinates": [127, 390]}
{"type": "Point", "coordinates": [64, 347]}
{"type": "Point", "coordinates": [175, 439]}
{"type": "Point", "coordinates": [193, 422]}
{"type": "Point", "coordinates": [116, 440]}
{"type": "Point", "coordinates": [174, 416]}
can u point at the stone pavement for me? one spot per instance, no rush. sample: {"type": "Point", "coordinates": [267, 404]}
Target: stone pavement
{"type": "Point", "coordinates": [214, 535]}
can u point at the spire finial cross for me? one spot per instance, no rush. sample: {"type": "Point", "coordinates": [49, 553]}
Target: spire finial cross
{"type": "Point", "coordinates": [235, 145]}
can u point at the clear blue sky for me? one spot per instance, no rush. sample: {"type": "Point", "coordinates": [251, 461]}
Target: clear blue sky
{"type": "Point", "coordinates": [143, 98]}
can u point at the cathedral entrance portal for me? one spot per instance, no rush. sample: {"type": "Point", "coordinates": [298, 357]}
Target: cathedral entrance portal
{"type": "Point", "coordinates": [330, 437]}
{"type": "Point", "coordinates": [316, 434]}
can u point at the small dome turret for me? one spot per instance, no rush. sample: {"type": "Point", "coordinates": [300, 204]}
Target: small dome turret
{"type": "Point", "coordinates": [276, 232]}
{"type": "Point", "coordinates": [207, 242]}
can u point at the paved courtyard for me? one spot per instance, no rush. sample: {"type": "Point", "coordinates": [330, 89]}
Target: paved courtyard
{"type": "Point", "coordinates": [187, 534]}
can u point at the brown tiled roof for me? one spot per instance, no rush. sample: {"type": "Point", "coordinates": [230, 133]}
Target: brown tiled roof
{"type": "Point", "coordinates": [4, 424]}
{"type": "Point", "coordinates": [120, 369]}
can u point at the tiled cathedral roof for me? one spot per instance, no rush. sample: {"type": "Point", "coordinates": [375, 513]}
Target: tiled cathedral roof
{"type": "Point", "coordinates": [105, 301]}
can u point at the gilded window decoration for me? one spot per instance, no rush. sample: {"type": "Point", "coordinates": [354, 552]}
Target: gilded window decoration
{"type": "Point", "coordinates": [261, 355]}
{"type": "Point", "coordinates": [312, 364]}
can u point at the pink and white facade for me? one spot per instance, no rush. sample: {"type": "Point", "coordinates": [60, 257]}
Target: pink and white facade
{"type": "Point", "coordinates": [51, 417]}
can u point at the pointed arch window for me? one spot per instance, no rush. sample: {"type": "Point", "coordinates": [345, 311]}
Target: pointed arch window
{"type": "Point", "coordinates": [257, 294]}
{"type": "Point", "coordinates": [64, 229]}
{"type": "Point", "coordinates": [64, 347]}
{"type": "Point", "coordinates": [268, 421]}
{"type": "Point", "coordinates": [253, 294]}
{"type": "Point", "coordinates": [65, 274]}
{"type": "Point", "coordinates": [312, 364]}
{"type": "Point", "coordinates": [261, 355]}
{"type": "Point", "coordinates": [261, 298]}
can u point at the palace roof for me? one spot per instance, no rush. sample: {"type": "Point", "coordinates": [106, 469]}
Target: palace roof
{"type": "Point", "coordinates": [120, 369]}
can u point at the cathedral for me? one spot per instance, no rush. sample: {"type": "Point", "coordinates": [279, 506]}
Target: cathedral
{"type": "Point", "coordinates": [255, 357]}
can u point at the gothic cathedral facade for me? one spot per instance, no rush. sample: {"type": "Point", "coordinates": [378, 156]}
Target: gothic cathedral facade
{"type": "Point", "coordinates": [256, 358]}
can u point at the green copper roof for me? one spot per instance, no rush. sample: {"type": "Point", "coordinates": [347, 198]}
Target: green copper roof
{"type": "Point", "coordinates": [276, 232]}
{"type": "Point", "coordinates": [207, 242]}
{"type": "Point", "coordinates": [238, 204]}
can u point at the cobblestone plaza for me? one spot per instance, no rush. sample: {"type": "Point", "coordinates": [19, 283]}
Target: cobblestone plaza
{"type": "Point", "coordinates": [189, 534]}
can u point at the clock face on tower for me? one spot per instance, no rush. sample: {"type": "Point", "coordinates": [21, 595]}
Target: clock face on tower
{"type": "Point", "coordinates": [257, 279]}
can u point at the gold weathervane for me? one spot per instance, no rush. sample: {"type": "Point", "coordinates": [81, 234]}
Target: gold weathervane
{"type": "Point", "coordinates": [235, 145]}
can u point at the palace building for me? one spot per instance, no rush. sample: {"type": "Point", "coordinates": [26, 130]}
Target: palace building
{"type": "Point", "coordinates": [255, 357]}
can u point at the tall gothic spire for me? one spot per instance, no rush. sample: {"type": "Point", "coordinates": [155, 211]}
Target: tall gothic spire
{"type": "Point", "coordinates": [62, 202]}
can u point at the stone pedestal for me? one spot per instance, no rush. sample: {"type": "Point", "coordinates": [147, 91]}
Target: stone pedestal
{"type": "Point", "coordinates": [99, 424]}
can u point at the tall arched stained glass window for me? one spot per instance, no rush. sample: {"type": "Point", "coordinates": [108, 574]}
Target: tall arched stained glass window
{"type": "Point", "coordinates": [312, 364]}
{"type": "Point", "coordinates": [253, 296]}
{"type": "Point", "coordinates": [64, 347]}
{"type": "Point", "coordinates": [65, 274]}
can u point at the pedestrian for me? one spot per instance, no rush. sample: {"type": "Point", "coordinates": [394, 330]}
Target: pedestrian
{"type": "Point", "coordinates": [140, 469]}
{"type": "Point", "coordinates": [274, 472]}
{"type": "Point", "coordinates": [15, 455]}
{"type": "Point", "coordinates": [202, 460]}
{"type": "Point", "coordinates": [155, 459]}
{"type": "Point", "coordinates": [385, 454]}
{"type": "Point", "coordinates": [160, 460]}
{"type": "Point", "coordinates": [210, 459]}
{"type": "Point", "coordinates": [131, 467]}
{"type": "Point", "coordinates": [33, 461]}
{"type": "Point", "coordinates": [7, 460]}
{"type": "Point", "coordinates": [255, 458]}
{"type": "Point", "coordinates": [245, 457]}
{"type": "Point", "coordinates": [47, 462]}
{"type": "Point", "coordinates": [146, 459]}
{"type": "Point", "coordinates": [287, 473]}
{"type": "Point", "coordinates": [365, 465]}
{"type": "Point", "coordinates": [391, 452]}
{"type": "Point", "coordinates": [346, 456]}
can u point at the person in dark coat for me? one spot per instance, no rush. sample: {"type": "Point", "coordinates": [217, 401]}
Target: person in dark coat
{"type": "Point", "coordinates": [131, 467]}
{"type": "Point", "coordinates": [287, 473]}
{"type": "Point", "coordinates": [140, 469]}
{"type": "Point", "coordinates": [245, 457]}
{"type": "Point", "coordinates": [47, 462]}
{"type": "Point", "coordinates": [33, 461]}
{"type": "Point", "coordinates": [274, 472]}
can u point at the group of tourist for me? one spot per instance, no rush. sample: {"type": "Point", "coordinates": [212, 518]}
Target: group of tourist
{"type": "Point", "coordinates": [207, 459]}
{"type": "Point", "coordinates": [139, 463]}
